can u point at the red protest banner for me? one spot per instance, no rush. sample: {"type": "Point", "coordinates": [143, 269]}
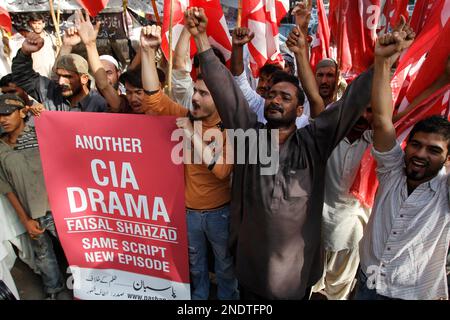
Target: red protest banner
{"type": "Point", "coordinates": [118, 203]}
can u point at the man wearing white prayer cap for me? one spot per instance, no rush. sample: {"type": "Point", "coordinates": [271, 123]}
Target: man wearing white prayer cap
{"type": "Point", "coordinates": [112, 69]}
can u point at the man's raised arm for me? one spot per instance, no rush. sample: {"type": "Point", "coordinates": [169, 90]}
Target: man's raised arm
{"type": "Point", "coordinates": [298, 44]}
{"type": "Point", "coordinates": [88, 34]}
{"type": "Point", "coordinates": [230, 102]}
{"type": "Point", "coordinates": [155, 101]}
{"type": "Point", "coordinates": [22, 67]}
{"type": "Point", "coordinates": [386, 47]}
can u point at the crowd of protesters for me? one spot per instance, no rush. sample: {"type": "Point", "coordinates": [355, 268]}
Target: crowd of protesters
{"type": "Point", "coordinates": [297, 233]}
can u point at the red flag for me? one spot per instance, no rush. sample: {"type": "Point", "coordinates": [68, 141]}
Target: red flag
{"type": "Point", "coordinates": [431, 68]}
{"type": "Point", "coordinates": [217, 30]}
{"type": "Point", "coordinates": [93, 7]}
{"type": "Point", "coordinates": [422, 11]}
{"type": "Point", "coordinates": [179, 7]}
{"type": "Point", "coordinates": [411, 61]}
{"type": "Point", "coordinates": [391, 13]}
{"type": "Point", "coordinates": [320, 46]}
{"type": "Point", "coordinates": [263, 18]}
{"type": "Point", "coordinates": [353, 30]}
{"type": "Point", "coordinates": [5, 20]}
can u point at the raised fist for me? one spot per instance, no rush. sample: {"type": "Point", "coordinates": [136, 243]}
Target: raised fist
{"type": "Point", "coordinates": [150, 37]}
{"type": "Point", "coordinates": [32, 43]}
{"type": "Point", "coordinates": [195, 21]}
{"type": "Point", "coordinates": [297, 40]}
{"type": "Point", "coordinates": [242, 36]}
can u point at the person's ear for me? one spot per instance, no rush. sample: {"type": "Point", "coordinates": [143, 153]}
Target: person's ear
{"type": "Point", "coordinates": [23, 112]}
{"type": "Point", "coordinates": [299, 111]}
{"type": "Point", "coordinates": [84, 78]}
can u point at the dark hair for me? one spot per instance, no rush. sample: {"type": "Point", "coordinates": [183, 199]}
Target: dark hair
{"type": "Point", "coordinates": [133, 77]}
{"type": "Point", "coordinates": [35, 16]}
{"type": "Point", "coordinates": [281, 76]}
{"type": "Point", "coordinates": [289, 62]}
{"type": "Point", "coordinates": [218, 54]}
{"type": "Point", "coordinates": [434, 124]}
{"type": "Point", "coordinates": [6, 80]}
{"type": "Point", "coordinates": [269, 68]}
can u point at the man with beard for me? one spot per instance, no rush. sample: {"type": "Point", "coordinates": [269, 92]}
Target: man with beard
{"type": "Point", "coordinates": [69, 93]}
{"type": "Point", "coordinates": [404, 248]}
{"type": "Point", "coordinates": [344, 217]}
{"type": "Point", "coordinates": [207, 182]}
{"type": "Point", "coordinates": [256, 99]}
{"type": "Point", "coordinates": [276, 218]}
{"type": "Point", "coordinates": [105, 71]}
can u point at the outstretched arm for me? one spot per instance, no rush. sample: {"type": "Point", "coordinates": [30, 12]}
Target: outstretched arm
{"type": "Point", "coordinates": [386, 48]}
{"type": "Point", "coordinates": [155, 101]}
{"type": "Point", "coordinates": [229, 100]}
{"type": "Point", "coordinates": [241, 36]}
{"type": "Point", "coordinates": [181, 57]}
{"type": "Point", "coordinates": [22, 67]}
{"type": "Point", "coordinates": [88, 34]}
{"type": "Point", "coordinates": [150, 40]}
{"type": "Point", "coordinates": [299, 46]}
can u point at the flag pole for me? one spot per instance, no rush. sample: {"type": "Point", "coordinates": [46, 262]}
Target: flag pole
{"type": "Point", "coordinates": [155, 11]}
{"type": "Point", "coordinates": [58, 13]}
{"type": "Point", "coordinates": [239, 14]}
{"type": "Point", "coordinates": [169, 76]}
{"type": "Point", "coordinates": [55, 22]}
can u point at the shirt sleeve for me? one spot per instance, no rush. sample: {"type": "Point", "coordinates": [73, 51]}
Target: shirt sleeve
{"type": "Point", "coordinates": [389, 161]}
{"type": "Point", "coordinates": [161, 104]}
{"type": "Point", "coordinates": [255, 101]}
{"type": "Point", "coordinates": [5, 187]}
{"type": "Point", "coordinates": [26, 78]}
{"type": "Point", "coordinates": [182, 88]}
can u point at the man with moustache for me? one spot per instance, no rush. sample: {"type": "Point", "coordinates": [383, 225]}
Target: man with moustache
{"type": "Point", "coordinates": [344, 217]}
{"type": "Point", "coordinates": [276, 219]}
{"type": "Point", "coordinates": [404, 248]}
{"type": "Point", "coordinates": [207, 183]}
{"type": "Point", "coordinates": [106, 70]}
{"type": "Point", "coordinates": [69, 93]}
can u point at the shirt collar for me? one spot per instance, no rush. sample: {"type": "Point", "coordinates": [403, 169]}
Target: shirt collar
{"type": "Point", "coordinates": [434, 183]}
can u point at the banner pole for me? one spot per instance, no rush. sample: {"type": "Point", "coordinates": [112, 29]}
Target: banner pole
{"type": "Point", "coordinates": [58, 13]}
{"type": "Point", "coordinates": [155, 11]}
{"type": "Point", "coordinates": [239, 14]}
{"type": "Point", "coordinates": [55, 22]}
{"type": "Point", "coordinates": [169, 76]}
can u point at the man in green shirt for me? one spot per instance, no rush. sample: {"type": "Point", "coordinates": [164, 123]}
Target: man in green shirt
{"type": "Point", "coordinates": [22, 181]}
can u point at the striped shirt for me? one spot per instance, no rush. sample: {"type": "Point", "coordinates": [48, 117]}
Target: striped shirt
{"type": "Point", "coordinates": [404, 248]}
